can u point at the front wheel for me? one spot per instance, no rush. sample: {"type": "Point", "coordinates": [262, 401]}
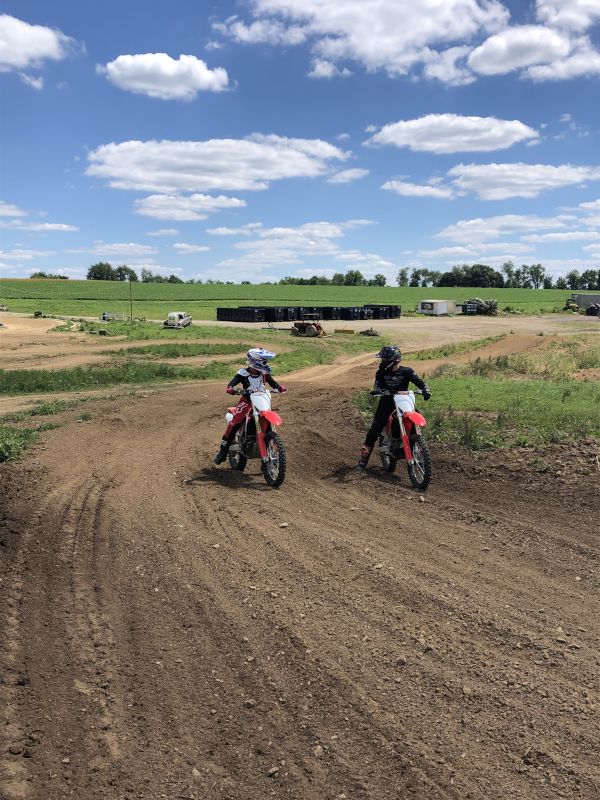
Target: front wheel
{"type": "Point", "coordinates": [274, 466]}
{"type": "Point", "coordinates": [419, 471]}
{"type": "Point", "coordinates": [387, 460]}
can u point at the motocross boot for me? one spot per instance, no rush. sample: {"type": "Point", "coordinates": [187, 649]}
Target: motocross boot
{"type": "Point", "coordinates": [365, 454]}
{"type": "Point", "coordinates": [223, 451]}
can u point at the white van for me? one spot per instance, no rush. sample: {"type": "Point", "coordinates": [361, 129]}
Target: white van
{"type": "Point", "coordinates": [177, 319]}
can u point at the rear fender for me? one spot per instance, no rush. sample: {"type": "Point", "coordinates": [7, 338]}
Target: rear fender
{"type": "Point", "coordinates": [270, 416]}
{"type": "Point", "coordinates": [415, 417]}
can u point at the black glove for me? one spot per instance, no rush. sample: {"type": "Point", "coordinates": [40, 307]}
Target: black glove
{"type": "Point", "coordinates": [426, 394]}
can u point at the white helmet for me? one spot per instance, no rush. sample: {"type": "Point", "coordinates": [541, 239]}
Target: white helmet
{"type": "Point", "coordinates": [257, 358]}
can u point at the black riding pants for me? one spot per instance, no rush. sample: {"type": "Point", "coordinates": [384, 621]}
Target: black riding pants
{"type": "Point", "coordinates": [384, 409]}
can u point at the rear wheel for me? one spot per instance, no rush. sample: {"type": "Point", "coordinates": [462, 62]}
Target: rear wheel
{"type": "Point", "coordinates": [274, 466]}
{"type": "Point", "coordinates": [419, 471]}
{"type": "Point", "coordinates": [236, 459]}
{"type": "Point", "coordinates": [311, 330]}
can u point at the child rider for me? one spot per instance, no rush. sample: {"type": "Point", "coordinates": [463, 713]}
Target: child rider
{"type": "Point", "coordinates": [253, 378]}
{"type": "Point", "coordinates": [390, 377]}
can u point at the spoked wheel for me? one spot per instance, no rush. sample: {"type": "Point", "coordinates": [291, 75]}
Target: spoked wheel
{"type": "Point", "coordinates": [419, 471]}
{"type": "Point", "coordinates": [387, 459]}
{"type": "Point", "coordinates": [236, 459]}
{"type": "Point", "coordinates": [274, 467]}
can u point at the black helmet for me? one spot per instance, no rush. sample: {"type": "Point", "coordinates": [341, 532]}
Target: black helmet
{"type": "Point", "coordinates": [389, 354]}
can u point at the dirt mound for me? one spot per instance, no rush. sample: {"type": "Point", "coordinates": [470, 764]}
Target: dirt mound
{"type": "Point", "coordinates": [164, 636]}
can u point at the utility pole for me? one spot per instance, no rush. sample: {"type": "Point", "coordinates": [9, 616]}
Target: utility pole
{"type": "Point", "coordinates": [130, 303]}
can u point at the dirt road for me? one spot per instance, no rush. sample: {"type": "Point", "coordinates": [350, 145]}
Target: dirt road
{"type": "Point", "coordinates": [165, 636]}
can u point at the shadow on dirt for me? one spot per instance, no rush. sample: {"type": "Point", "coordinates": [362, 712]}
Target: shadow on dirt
{"type": "Point", "coordinates": [346, 473]}
{"type": "Point", "coordinates": [231, 479]}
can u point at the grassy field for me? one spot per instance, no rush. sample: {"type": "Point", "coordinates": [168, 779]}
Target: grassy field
{"type": "Point", "coordinates": [154, 301]}
{"type": "Point", "coordinates": [528, 399]}
{"type": "Point", "coordinates": [130, 369]}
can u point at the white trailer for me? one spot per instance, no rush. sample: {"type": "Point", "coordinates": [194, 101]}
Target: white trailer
{"type": "Point", "coordinates": [437, 308]}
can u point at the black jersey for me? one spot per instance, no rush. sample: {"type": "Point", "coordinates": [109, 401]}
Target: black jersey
{"type": "Point", "coordinates": [398, 380]}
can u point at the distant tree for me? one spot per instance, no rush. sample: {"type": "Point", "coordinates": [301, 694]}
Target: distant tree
{"type": "Point", "coordinates": [589, 279]}
{"type": "Point", "coordinates": [547, 282]}
{"type": "Point", "coordinates": [337, 279]}
{"type": "Point", "coordinates": [378, 280]}
{"type": "Point", "coordinates": [174, 279]}
{"type": "Point", "coordinates": [561, 283]}
{"type": "Point", "coordinates": [102, 271]}
{"type": "Point", "coordinates": [536, 275]}
{"type": "Point", "coordinates": [49, 276]}
{"type": "Point", "coordinates": [523, 277]}
{"type": "Point", "coordinates": [125, 273]}
{"type": "Point", "coordinates": [508, 268]}
{"type": "Point", "coordinates": [573, 279]}
{"type": "Point", "coordinates": [245, 283]}
{"type": "Point", "coordinates": [415, 278]}
{"type": "Point", "coordinates": [402, 277]}
{"type": "Point", "coordinates": [354, 278]}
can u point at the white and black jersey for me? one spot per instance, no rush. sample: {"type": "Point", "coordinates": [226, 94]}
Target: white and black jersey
{"type": "Point", "coordinates": [253, 383]}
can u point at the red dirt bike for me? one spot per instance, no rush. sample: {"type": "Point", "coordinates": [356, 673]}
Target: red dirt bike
{"type": "Point", "coordinates": [402, 438]}
{"type": "Point", "coordinates": [257, 438]}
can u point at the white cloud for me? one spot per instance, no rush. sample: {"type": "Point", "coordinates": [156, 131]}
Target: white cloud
{"type": "Point", "coordinates": [576, 15]}
{"type": "Point", "coordinates": [467, 231]}
{"type": "Point", "coordinates": [23, 46]}
{"type": "Point", "coordinates": [24, 255]}
{"type": "Point", "coordinates": [501, 181]}
{"type": "Point", "coordinates": [164, 232]}
{"type": "Point", "coordinates": [245, 230]}
{"type": "Point", "coordinates": [10, 210]}
{"type": "Point", "coordinates": [289, 246]}
{"type": "Point", "coordinates": [416, 190]}
{"type": "Point", "coordinates": [452, 133]}
{"type": "Point", "coordinates": [185, 249]}
{"type": "Point", "coordinates": [348, 175]}
{"type": "Point", "coordinates": [158, 75]}
{"type": "Point", "coordinates": [215, 164]}
{"type": "Point", "coordinates": [327, 69]}
{"type": "Point", "coordinates": [515, 48]}
{"type": "Point", "coordinates": [379, 34]}
{"type": "Point", "coordinates": [475, 251]}
{"type": "Point", "coordinates": [445, 67]}
{"type": "Point", "coordinates": [192, 207]}
{"type": "Point", "coordinates": [583, 61]}
{"type": "Point", "coordinates": [567, 236]}
{"type": "Point", "coordinates": [43, 227]}
{"type": "Point", "coordinates": [117, 249]}
{"type": "Point", "coordinates": [591, 205]}
{"type": "Point", "coordinates": [29, 80]}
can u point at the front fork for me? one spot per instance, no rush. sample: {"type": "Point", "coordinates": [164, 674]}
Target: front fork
{"type": "Point", "coordinates": [260, 435]}
{"type": "Point", "coordinates": [405, 431]}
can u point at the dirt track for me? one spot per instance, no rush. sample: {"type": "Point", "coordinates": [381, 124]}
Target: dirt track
{"type": "Point", "coordinates": [164, 637]}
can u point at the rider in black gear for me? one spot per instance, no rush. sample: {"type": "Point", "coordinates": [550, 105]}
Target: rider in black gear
{"type": "Point", "coordinates": [390, 377]}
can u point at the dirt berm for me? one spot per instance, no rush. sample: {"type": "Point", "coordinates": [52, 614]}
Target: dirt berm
{"type": "Point", "coordinates": [175, 630]}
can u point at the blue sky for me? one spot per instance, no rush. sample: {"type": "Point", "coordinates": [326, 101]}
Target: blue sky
{"type": "Point", "coordinates": [264, 138]}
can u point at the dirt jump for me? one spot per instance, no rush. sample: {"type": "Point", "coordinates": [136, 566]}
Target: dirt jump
{"type": "Point", "coordinates": [172, 629]}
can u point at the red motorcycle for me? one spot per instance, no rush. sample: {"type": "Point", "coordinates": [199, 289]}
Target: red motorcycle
{"type": "Point", "coordinates": [257, 438]}
{"type": "Point", "coordinates": [402, 438]}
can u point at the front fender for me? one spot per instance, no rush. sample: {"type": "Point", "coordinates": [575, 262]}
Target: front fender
{"type": "Point", "coordinates": [272, 417]}
{"type": "Point", "coordinates": [415, 417]}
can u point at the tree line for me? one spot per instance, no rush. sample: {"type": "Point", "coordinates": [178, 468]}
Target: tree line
{"type": "Point", "coordinates": [527, 276]}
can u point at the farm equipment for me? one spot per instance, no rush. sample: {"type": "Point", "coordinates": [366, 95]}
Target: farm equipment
{"type": "Point", "coordinates": [571, 305]}
{"type": "Point", "coordinates": [309, 325]}
{"type": "Point", "coordinates": [369, 332]}
{"type": "Point", "coordinates": [107, 316]}
{"type": "Point", "coordinates": [478, 306]}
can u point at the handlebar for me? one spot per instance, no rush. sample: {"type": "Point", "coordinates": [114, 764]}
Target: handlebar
{"type": "Point", "coordinates": [387, 393]}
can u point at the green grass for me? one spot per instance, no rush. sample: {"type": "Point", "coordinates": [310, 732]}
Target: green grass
{"type": "Point", "coordinates": [43, 409]}
{"type": "Point", "coordinates": [299, 353]}
{"type": "Point", "coordinates": [454, 348]}
{"type": "Point", "coordinates": [154, 301]}
{"type": "Point", "coordinates": [13, 441]}
{"type": "Point", "coordinates": [553, 361]}
{"type": "Point", "coordinates": [478, 413]}
{"type": "Point", "coordinates": [178, 350]}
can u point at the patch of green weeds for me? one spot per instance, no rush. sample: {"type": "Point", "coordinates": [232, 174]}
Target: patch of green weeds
{"type": "Point", "coordinates": [13, 441]}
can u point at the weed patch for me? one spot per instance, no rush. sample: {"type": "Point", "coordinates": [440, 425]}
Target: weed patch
{"type": "Point", "coordinates": [13, 441]}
